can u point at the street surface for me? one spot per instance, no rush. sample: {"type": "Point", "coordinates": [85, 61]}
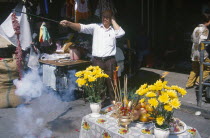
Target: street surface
{"type": "Point", "coordinates": [65, 121]}
{"type": "Point", "coordinates": [198, 122]}
{"type": "Point", "coordinates": [49, 116]}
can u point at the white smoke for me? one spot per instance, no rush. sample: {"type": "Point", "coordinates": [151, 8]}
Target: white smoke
{"type": "Point", "coordinates": [30, 119]}
{"type": "Point", "coordinates": [27, 123]}
{"type": "Point", "coordinates": [30, 86]}
{"type": "Point", "coordinates": [45, 106]}
{"type": "Point", "coordinates": [68, 94]}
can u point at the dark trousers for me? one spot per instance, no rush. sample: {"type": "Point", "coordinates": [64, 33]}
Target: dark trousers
{"type": "Point", "coordinates": [108, 66]}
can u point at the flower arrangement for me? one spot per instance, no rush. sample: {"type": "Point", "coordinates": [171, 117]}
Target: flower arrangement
{"type": "Point", "coordinates": [163, 99]}
{"type": "Point", "coordinates": [92, 80]}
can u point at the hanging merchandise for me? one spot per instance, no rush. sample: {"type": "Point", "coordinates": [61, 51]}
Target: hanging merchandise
{"type": "Point", "coordinates": [81, 9]}
{"type": "Point", "coordinates": [33, 61]}
{"type": "Point", "coordinates": [38, 10]}
{"type": "Point", "coordinates": [46, 6]}
{"type": "Point", "coordinates": [93, 5]}
{"type": "Point", "coordinates": [18, 52]}
{"type": "Point", "coordinates": [7, 32]}
{"type": "Point", "coordinates": [63, 10]}
{"type": "Point", "coordinates": [44, 34]}
{"type": "Point", "coordinates": [105, 5]}
{"type": "Point", "coordinates": [70, 8]}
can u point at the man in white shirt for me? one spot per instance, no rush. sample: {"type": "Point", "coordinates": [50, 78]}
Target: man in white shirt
{"type": "Point", "coordinates": [104, 44]}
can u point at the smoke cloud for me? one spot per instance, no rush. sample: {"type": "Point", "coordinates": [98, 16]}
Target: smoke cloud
{"type": "Point", "coordinates": [30, 120]}
{"type": "Point", "coordinates": [68, 93]}
{"type": "Point", "coordinates": [45, 105]}
{"type": "Point", "coordinates": [30, 86]}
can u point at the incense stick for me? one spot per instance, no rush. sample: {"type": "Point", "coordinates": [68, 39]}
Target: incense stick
{"type": "Point", "coordinates": [120, 92]}
{"type": "Point", "coordinates": [126, 86]}
{"type": "Point", "coordinates": [116, 94]}
{"type": "Point", "coordinates": [114, 91]}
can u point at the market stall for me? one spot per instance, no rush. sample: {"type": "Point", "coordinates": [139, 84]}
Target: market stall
{"type": "Point", "coordinates": [41, 39]}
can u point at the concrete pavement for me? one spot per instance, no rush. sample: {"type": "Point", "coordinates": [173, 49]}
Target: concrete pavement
{"type": "Point", "coordinates": [198, 122]}
{"type": "Point", "coordinates": [49, 116]}
{"type": "Point", "coordinates": [188, 101]}
{"type": "Point", "coordinates": [39, 120]}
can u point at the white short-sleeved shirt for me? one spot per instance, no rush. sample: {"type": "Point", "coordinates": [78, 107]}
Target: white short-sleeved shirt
{"type": "Point", "coordinates": [104, 40]}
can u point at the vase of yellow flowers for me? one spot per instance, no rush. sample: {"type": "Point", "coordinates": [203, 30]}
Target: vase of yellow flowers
{"type": "Point", "coordinates": [92, 80]}
{"type": "Point", "coordinates": [163, 99]}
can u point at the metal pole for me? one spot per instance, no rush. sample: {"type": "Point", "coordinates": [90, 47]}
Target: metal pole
{"type": "Point", "coordinates": [38, 16]}
{"type": "Point", "coordinates": [199, 95]}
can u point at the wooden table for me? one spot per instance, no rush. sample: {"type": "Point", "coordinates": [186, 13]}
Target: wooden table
{"type": "Point", "coordinates": [60, 72]}
{"type": "Point", "coordinates": [64, 63]}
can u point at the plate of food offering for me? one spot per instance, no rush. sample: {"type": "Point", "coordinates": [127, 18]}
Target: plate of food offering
{"type": "Point", "coordinates": [177, 126]}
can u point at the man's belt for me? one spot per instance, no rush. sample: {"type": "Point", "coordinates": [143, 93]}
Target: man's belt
{"type": "Point", "coordinates": [103, 58]}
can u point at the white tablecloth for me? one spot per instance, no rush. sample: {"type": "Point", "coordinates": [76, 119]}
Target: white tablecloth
{"type": "Point", "coordinates": [106, 127]}
{"type": "Point", "coordinates": [49, 78]}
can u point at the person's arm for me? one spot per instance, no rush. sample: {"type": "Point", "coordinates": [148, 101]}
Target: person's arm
{"type": "Point", "coordinates": [115, 25]}
{"type": "Point", "coordinates": [119, 32]}
{"type": "Point", "coordinates": [82, 28]}
{"type": "Point", "coordinates": [74, 26]}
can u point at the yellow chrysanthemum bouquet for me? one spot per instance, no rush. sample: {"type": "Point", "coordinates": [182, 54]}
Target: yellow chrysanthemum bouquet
{"type": "Point", "coordinates": [163, 99]}
{"type": "Point", "coordinates": [92, 80]}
